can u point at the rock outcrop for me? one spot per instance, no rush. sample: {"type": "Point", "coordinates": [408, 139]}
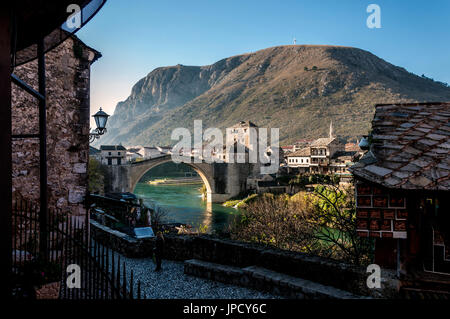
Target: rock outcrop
{"type": "Point", "coordinates": [298, 89]}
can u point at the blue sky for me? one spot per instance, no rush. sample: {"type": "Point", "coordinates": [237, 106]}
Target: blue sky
{"type": "Point", "coordinates": [137, 36]}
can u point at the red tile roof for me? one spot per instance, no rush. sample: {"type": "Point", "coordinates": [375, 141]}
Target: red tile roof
{"type": "Point", "coordinates": [304, 152]}
{"type": "Point", "coordinates": [410, 147]}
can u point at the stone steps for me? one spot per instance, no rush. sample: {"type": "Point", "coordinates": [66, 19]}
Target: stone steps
{"type": "Point", "coordinates": [423, 294]}
{"type": "Point", "coordinates": [265, 280]}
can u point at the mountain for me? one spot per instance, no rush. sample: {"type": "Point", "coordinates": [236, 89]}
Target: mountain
{"type": "Point", "coordinates": [297, 88]}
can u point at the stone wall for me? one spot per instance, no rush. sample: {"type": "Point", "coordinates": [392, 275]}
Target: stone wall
{"type": "Point", "coordinates": [68, 113]}
{"type": "Point", "coordinates": [239, 254]}
{"type": "Point", "coordinates": [321, 270]}
{"type": "Point", "coordinates": [121, 242]}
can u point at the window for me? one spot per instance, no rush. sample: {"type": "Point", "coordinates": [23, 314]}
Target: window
{"type": "Point", "coordinates": [109, 161]}
{"type": "Point", "coordinates": [109, 153]}
{"type": "Point", "coordinates": [119, 160]}
{"type": "Point", "coordinates": [118, 153]}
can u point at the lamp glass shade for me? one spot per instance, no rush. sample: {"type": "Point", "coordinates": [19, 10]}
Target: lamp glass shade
{"type": "Point", "coordinates": [100, 119]}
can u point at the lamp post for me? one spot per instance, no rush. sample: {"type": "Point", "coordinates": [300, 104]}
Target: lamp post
{"type": "Point", "coordinates": [100, 120]}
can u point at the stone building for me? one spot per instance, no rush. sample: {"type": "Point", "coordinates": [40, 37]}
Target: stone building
{"type": "Point", "coordinates": [113, 154]}
{"type": "Point", "coordinates": [403, 188]}
{"type": "Point", "coordinates": [68, 113]}
{"type": "Point", "coordinates": [244, 133]}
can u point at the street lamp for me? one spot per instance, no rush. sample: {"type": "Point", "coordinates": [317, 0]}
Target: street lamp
{"type": "Point", "coordinates": [100, 120]}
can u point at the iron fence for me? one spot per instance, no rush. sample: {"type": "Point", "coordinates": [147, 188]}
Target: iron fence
{"type": "Point", "coordinates": [83, 268]}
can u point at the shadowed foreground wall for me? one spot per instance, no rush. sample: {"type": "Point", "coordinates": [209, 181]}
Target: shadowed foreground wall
{"type": "Point", "coordinates": [68, 112]}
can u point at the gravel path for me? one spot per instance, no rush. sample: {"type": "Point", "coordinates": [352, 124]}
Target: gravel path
{"type": "Point", "coordinates": [172, 283]}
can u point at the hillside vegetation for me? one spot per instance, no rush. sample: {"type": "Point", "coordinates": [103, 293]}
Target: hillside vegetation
{"type": "Point", "coordinates": [296, 88]}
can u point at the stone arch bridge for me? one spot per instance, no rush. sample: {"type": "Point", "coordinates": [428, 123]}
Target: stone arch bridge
{"type": "Point", "coordinates": [222, 180]}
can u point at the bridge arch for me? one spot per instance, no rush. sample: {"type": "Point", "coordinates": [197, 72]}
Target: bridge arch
{"type": "Point", "coordinates": [222, 180]}
{"type": "Point", "coordinates": [139, 169]}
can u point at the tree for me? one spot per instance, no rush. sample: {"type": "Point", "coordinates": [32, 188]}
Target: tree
{"type": "Point", "coordinates": [96, 177]}
{"type": "Point", "coordinates": [272, 220]}
{"type": "Point", "coordinates": [322, 222]}
{"type": "Point", "coordinates": [334, 219]}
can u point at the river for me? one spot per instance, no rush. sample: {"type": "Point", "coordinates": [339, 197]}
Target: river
{"type": "Point", "coordinates": [184, 204]}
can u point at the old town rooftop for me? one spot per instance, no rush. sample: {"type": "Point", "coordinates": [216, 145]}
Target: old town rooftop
{"type": "Point", "coordinates": [410, 147]}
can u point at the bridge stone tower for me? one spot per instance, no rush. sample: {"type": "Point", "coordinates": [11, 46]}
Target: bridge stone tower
{"type": "Point", "coordinates": [222, 180]}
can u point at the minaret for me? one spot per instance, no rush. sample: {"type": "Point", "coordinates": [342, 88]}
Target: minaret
{"type": "Point", "coordinates": [331, 129]}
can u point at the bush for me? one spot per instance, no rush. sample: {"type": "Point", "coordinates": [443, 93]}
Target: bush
{"type": "Point", "coordinates": [158, 217]}
{"type": "Point", "coordinates": [320, 223]}
{"type": "Point", "coordinates": [271, 220]}
{"type": "Point", "coordinates": [333, 217]}
{"type": "Point", "coordinates": [96, 177]}
{"type": "Point", "coordinates": [231, 203]}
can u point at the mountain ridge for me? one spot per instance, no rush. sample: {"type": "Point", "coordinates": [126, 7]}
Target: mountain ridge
{"type": "Point", "coordinates": [298, 88]}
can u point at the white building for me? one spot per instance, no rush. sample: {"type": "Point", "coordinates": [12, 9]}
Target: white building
{"type": "Point", "coordinates": [134, 156]}
{"type": "Point", "coordinates": [164, 149]}
{"type": "Point", "coordinates": [113, 154]}
{"type": "Point", "coordinates": [324, 155]}
{"type": "Point", "coordinates": [135, 153]}
{"type": "Point", "coordinates": [156, 151]}
{"type": "Point", "coordinates": [322, 150]}
{"type": "Point", "coordinates": [151, 152]}
{"type": "Point", "coordinates": [300, 158]}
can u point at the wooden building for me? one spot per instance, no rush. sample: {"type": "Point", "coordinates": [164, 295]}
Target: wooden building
{"type": "Point", "coordinates": [403, 188]}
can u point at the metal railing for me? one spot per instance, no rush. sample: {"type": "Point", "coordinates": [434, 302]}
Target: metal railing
{"type": "Point", "coordinates": [69, 241]}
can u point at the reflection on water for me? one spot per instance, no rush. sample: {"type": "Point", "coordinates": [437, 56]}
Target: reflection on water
{"type": "Point", "coordinates": [184, 204]}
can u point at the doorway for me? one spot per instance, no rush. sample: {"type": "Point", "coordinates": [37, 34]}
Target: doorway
{"type": "Point", "coordinates": [436, 235]}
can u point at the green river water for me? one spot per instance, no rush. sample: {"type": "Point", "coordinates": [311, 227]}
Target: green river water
{"type": "Point", "coordinates": [184, 204]}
